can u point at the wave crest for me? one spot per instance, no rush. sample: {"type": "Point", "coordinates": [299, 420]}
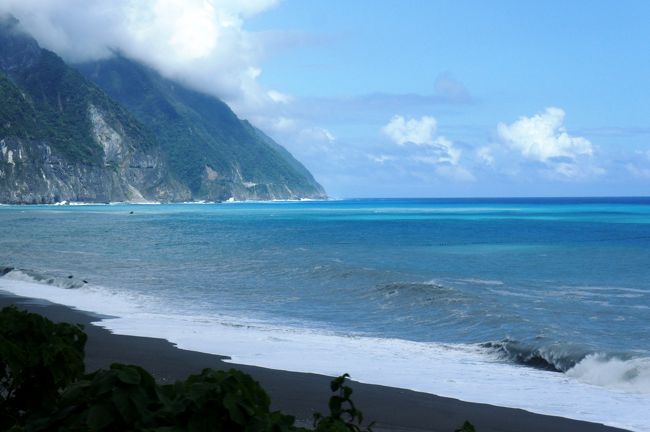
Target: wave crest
{"type": "Point", "coordinates": [617, 371]}
{"type": "Point", "coordinates": [555, 358]}
{"type": "Point", "coordinates": [423, 292]}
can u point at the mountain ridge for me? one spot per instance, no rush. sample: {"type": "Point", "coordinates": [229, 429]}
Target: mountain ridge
{"type": "Point", "coordinates": [64, 137]}
{"type": "Point", "coordinates": [214, 152]}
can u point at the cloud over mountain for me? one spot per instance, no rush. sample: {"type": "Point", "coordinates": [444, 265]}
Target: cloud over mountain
{"type": "Point", "coordinates": [202, 43]}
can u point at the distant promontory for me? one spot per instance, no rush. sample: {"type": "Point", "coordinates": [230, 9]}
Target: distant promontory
{"type": "Point", "coordinates": [115, 130]}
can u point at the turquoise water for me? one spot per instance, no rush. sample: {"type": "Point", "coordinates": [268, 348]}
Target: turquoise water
{"type": "Point", "coordinates": [543, 283]}
{"type": "Point", "coordinates": [539, 272]}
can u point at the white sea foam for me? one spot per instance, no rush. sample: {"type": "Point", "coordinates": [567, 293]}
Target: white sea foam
{"type": "Point", "coordinates": [112, 203]}
{"type": "Point", "coordinates": [90, 298]}
{"type": "Point", "coordinates": [81, 203]}
{"type": "Point", "coordinates": [67, 203]}
{"type": "Point", "coordinates": [631, 375]}
{"type": "Point", "coordinates": [459, 371]}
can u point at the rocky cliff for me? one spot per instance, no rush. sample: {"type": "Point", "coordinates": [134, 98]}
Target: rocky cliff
{"type": "Point", "coordinates": [209, 148]}
{"type": "Point", "coordinates": [63, 139]}
{"type": "Point", "coordinates": [130, 135]}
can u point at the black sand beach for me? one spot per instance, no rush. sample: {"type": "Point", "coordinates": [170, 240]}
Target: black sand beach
{"type": "Point", "coordinates": [301, 394]}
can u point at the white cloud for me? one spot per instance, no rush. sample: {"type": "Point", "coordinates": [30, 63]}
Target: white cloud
{"type": "Point", "coordinates": [202, 43]}
{"type": "Point", "coordinates": [422, 133]}
{"type": "Point", "coordinates": [279, 97]}
{"type": "Point", "coordinates": [543, 137]}
{"type": "Point", "coordinates": [427, 148]}
{"type": "Point", "coordinates": [402, 131]}
{"type": "Point", "coordinates": [447, 152]}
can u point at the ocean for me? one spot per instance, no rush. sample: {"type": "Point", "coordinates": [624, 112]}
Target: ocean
{"type": "Point", "coordinates": [541, 304]}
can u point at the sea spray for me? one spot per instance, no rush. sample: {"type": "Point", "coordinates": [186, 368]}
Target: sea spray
{"type": "Point", "coordinates": [630, 375]}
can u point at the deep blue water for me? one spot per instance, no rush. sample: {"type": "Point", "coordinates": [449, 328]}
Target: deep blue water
{"type": "Point", "coordinates": [541, 281]}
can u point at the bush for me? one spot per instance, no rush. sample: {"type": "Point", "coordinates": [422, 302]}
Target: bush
{"type": "Point", "coordinates": [344, 415]}
{"type": "Point", "coordinates": [121, 398]}
{"type": "Point", "coordinates": [218, 400]}
{"type": "Point", "coordinates": [38, 359]}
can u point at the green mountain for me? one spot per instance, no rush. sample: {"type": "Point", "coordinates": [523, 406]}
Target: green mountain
{"type": "Point", "coordinates": [64, 139]}
{"type": "Point", "coordinates": [130, 135]}
{"type": "Point", "coordinates": [209, 149]}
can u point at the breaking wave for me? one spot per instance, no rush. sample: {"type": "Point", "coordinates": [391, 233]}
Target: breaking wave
{"type": "Point", "coordinates": [68, 282]}
{"type": "Point", "coordinates": [630, 375]}
{"type": "Point", "coordinates": [554, 358]}
{"type": "Point", "coordinates": [619, 371]}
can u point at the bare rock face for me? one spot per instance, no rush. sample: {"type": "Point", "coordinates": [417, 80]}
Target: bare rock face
{"type": "Point", "coordinates": [31, 172]}
{"type": "Point", "coordinates": [62, 139]}
{"type": "Point", "coordinates": [138, 175]}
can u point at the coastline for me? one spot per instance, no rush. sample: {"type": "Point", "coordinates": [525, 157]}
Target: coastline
{"type": "Point", "coordinates": [230, 200]}
{"type": "Point", "coordinates": [301, 394]}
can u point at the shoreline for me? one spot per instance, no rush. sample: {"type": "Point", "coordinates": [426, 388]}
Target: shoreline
{"type": "Point", "coordinates": [153, 203]}
{"type": "Point", "coordinates": [296, 393]}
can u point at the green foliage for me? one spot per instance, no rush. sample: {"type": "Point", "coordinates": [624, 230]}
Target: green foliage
{"type": "Point", "coordinates": [218, 400]}
{"type": "Point", "coordinates": [61, 98]}
{"type": "Point", "coordinates": [17, 117]}
{"type": "Point", "coordinates": [467, 427]}
{"type": "Point", "coordinates": [42, 98]}
{"type": "Point", "coordinates": [121, 398]}
{"type": "Point", "coordinates": [38, 359]}
{"type": "Point", "coordinates": [43, 389]}
{"type": "Point", "coordinates": [344, 415]}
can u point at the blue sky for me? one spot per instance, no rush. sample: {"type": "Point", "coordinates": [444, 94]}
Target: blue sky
{"type": "Point", "coordinates": [396, 98]}
{"type": "Point", "coordinates": [353, 66]}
